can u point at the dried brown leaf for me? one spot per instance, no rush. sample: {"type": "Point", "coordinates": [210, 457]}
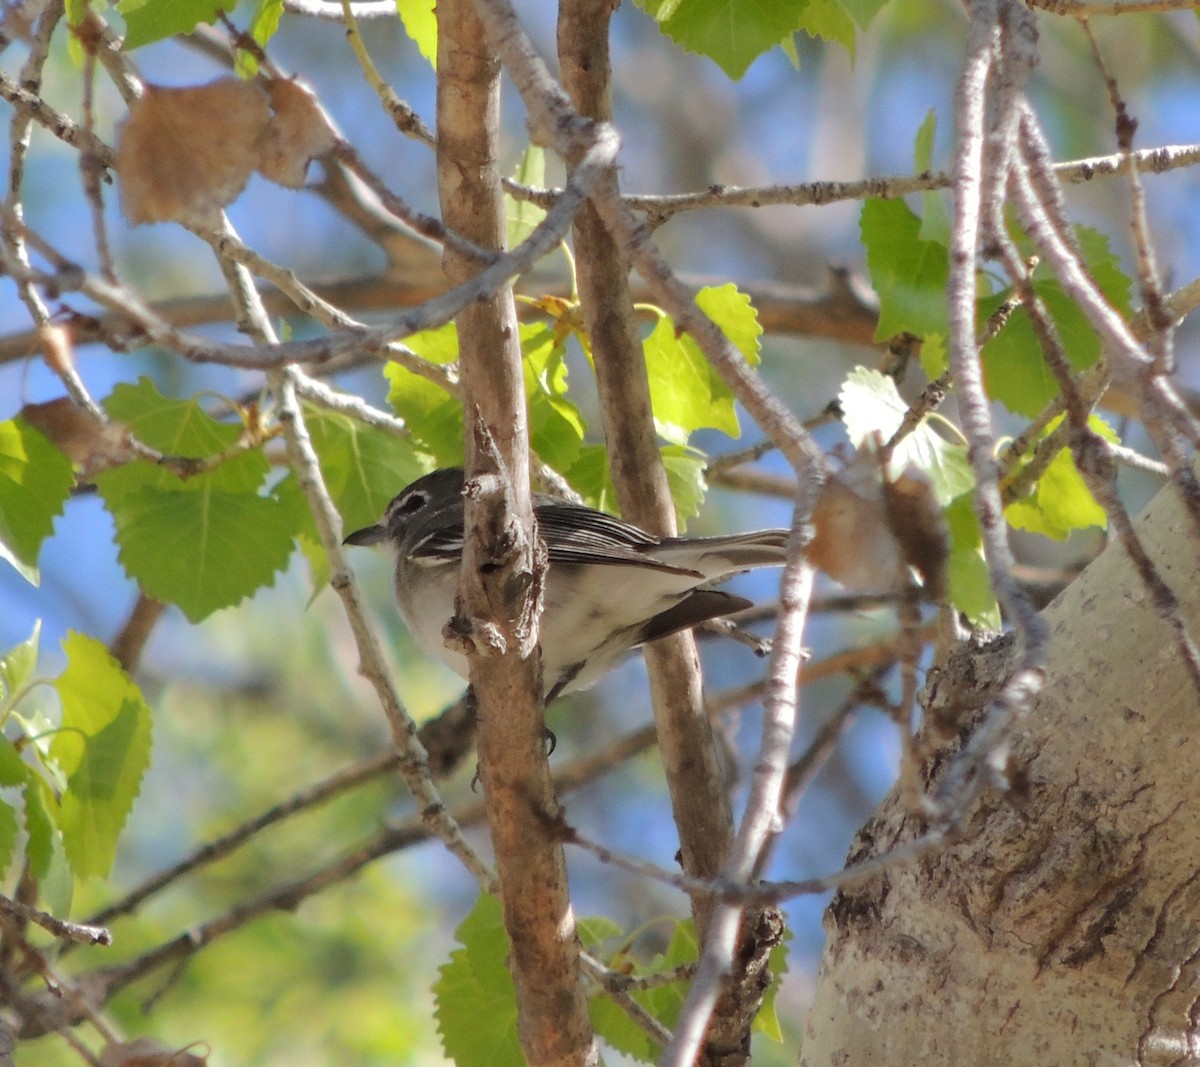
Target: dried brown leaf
{"type": "Point", "coordinates": [183, 154]}
{"type": "Point", "coordinates": [300, 132]}
{"type": "Point", "coordinates": [869, 531]}
{"type": "Point", "coordinates": [92, 446]}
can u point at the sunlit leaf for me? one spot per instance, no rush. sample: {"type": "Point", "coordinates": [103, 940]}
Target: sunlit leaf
{"type": "Point", "coordinates": [35, 481]}
{"type": "Point", "coordinates": [17, 665]}
{"type": "Point", "coordinates": [103, 748]}
{"type": "Point", "coordinates": [420, 23]}
{"type": "Point", "coordinates": [908, 273]}
{"type": "Point", "coordinates": [201, 551]}
{"type": "Point", "coordinates": [147, 21]}
{"type": "Point", "coordinates": [873, 409]}
{"type": "Point", "coordinates": [476, 1001]}
{"type": "Point", "coordinates": [732, 33]}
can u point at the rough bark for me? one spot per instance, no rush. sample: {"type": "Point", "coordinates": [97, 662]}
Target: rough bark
{"type": "Point", "coordinates": [500, 591]}
{"type": "Point", "coordinates": [1064, 928]}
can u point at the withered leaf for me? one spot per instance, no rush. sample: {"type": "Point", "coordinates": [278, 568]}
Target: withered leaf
{"type": "Point", "coordinates": [300, 131]}
{"type": "Point", "coordinates": [91, 445]}
{"type": "Point", "coordinates": [868, 531]}
{"type": "Point", "coordinates": [183, 154]}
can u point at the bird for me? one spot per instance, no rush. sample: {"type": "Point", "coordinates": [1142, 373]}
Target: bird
{"type": "Point", "coordinates": [609, 588]}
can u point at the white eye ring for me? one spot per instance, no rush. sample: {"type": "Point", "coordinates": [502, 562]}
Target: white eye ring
{"type": "Point", "coordinates": [413, 503]}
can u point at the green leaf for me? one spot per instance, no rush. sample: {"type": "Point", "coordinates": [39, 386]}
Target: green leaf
{"type": "Point", "coordinates": [908, 273]}
{"type": "Point", "coordinates": [1061, 501]}
{"type": "Point", "coordinates": [732, 33]}
{"type": "Point", "coordinates": [873, 408]}
{"type": "Point", "coordinates": [103, 748]}
{"type": "Point", "coordinates": [147, 21]}
{"type": "Point", "coordinates": [18, 664]}
{"type": "Point", "coordinates": [767, 1020]}
{"type": "Point", "coordinates": [935, 219]}
{"type": "Point", "coordinates": [432, 416]}
{"type": "Point", "coordinates": [363, 466]}
{"type": "Point", "coordinates": [662, 1002]}
{"type": "Point", "coordinates": [556, 428]}
{"type": "Point", "coordinates": [420, 23]}
{"type": "Point", "coordinates": [476, 1002]}
{"type": "Point", "coordinates": [35, 481]}
{"type": "Point", "coordinates": [923, 144]}
{"type": "Point", "coordinates": [1015, 372]}
{"type": "Point", "coordinates": [204, 542]}
{"type": "Point", "coordinates": [589, 476]}
{"type": "Point", "coordinates": [8, 835]}
{"type": "Point", "coordinates": [178, 428]}
{"type": "Point", "coordinates": [523, 216]}
{"type": "Point", "coordinates": [13, 769]}
{"type": "Point", "coordinates": [685, 476]}
{"type": "Point", "coordinates": [201, 551]}
{"type": "Point", "coordinates": [40, 832]}
{"type": "Point", "coordinates": [685, 391]}
{"type": "Point", "coordinates": [970, 588]}
{"type": "Point", "coordinates": [829, 20]}
{"type": "Point", "coordinates": [596, 928]}
{"type": "Point", "coordinates": [263, 24]}
{"type": "Point", "coordinates": [439, 345]}
{"type": "Point", "coordinates": [968, 581]}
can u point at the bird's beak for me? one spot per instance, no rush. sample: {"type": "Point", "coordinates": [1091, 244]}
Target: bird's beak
{"type": "Point", "coordinates": [368, 535]}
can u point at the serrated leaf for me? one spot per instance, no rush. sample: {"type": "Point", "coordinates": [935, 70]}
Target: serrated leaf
{"type": "Point", "coordinates": [828, 20]}
{"type": "Point", "coordinates": [102, 747]}
{"type": "Point", "coordinates": [147, 21]}
{"type": "Point", "coordinates": [476, 1001]}
{"type": "Point", "coordinates": [685, 392]}
{"type": "Point", "coordinates": [522, 217]}
{"type": "Point", "coordinates": [178, 428]}
{"type": "Point", "coordinates": [35, 481]}
{"type": "Point", "coordinates": [201, 551]}
{"type": "Point", "coordinates": [873, 408]}
{"type": "Point", "coordinates": [908, 273]}
{"type": "Point", "coordinates": [18, 664]}
{"type": "Point", "coordinates": [420, 23]}
{"type": "Point", "coordinates": [732, 33]}
{"type": "Point", "coordinates": [204, 542]}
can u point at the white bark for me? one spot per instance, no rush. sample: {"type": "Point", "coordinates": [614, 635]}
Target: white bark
{"type": "Point", "coordinates": [1065, 928]}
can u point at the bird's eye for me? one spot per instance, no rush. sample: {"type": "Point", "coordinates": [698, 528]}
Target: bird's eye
{"type": "Point", "coordinates": [411, 504]}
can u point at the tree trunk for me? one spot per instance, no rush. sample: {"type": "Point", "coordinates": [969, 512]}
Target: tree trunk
{"type": "Point", "coordinates": [1064, 928]}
